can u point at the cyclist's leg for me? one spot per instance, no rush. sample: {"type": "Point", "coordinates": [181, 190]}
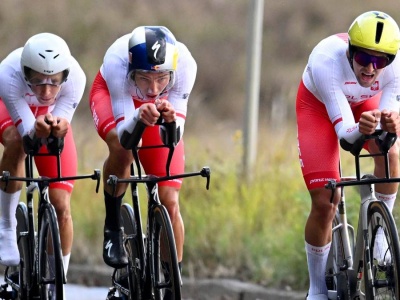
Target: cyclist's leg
{"type": "Point", "coordinates": [154, 162]}
{"type": "Point", "coordinates": [60, 192]}
{"type": "Point", "coordinates": [319, 160]}
{"type": "Point", "coordinates": [12, 161]}
{"type": "Point", "coordinates": [117, 163]}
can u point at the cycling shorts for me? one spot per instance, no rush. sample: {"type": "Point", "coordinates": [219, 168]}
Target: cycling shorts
{"type": "Point", "coordinates": [317, 140]}
{"type": "Point", "coordinates": [47, 165]}
{"type": "Point", "coordinates": [153, 160]}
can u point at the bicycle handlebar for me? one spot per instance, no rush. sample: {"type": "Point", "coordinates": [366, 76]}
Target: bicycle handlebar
{"type": "Point", "coordinates": [6, 177]}
{"type": "Point", "coordinates": [384, 140]}
{"type": "Point", "coordinates": [131, 141]}
{"type": "Point", "coordinates": [204, 172]}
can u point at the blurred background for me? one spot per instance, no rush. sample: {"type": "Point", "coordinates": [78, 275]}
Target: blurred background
{"type": "Point", "coordinates": [247, 230]}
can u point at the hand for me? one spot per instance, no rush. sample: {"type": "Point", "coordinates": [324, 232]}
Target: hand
{"type": "Point", "coordinates": [390, 121]}
{"type": "Point", "coordinates": [43, 125]}
{"type": "Point", "coordinates": [148, 114]}
{"type": "Point", "coordinates": [368, 121]}
{"type": "Point", "coordinates": [59, 127]}
{"type": "Point", "coordinates": [48, 124]}
{"type": "Point", "coordinates": [167, 110]}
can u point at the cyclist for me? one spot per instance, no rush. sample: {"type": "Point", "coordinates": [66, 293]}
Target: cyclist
{"type": "Point", "coordinates": [144, 75]}
{"type": "Point", "coordinates": [350, 86]}
{"type": "Point", "coordinates": [41, 85]}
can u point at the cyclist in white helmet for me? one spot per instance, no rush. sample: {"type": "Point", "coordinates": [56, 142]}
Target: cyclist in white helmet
{"type": "Point", "coordinates": [41, 85]}
{"type": "Point", "coordinates": [351, 85]}
{"type": "Point", "coordinates": [144, 74]}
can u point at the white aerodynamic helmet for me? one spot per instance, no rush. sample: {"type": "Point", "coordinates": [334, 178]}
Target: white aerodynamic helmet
{"type": "Point", "coordinates": [46, 53]}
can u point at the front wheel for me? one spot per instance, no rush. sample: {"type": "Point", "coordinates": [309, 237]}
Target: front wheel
{"type": "Point", "coordinates": [128, 280]}
{"type": "Point", "coordinates": [165, 274]}
{"type": "Point", "coordinates": [22, 274]}
{"type": "Point", "coordinates": [335, 279]}
{"type": "Point", "coordinates": [51, 269]}
{"type": "Point", "coordinates": [382, 273]}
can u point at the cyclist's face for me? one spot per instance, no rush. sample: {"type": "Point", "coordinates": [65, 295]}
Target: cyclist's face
{"type": "Point", "coordinates": [151, 85]}
{"type": "Point", "coordinates": [45, 87]}
{"type": "Point", "coordinates": [367, 75]}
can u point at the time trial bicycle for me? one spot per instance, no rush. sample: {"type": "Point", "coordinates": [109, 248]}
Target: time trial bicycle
{"type": "Point", "coordinates": [365, 264]}
{"type": "Point", "coordinates": [152, 269]}
{"type": "Point", "coordinates": [40, 273]}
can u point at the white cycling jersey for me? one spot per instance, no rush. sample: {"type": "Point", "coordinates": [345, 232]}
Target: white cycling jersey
{"type": "Point", "coordinates": [329, 76]}
{"type": "Point", "coordinates": [20, 101]}
{"type": "Point", "coordinates": [123, 90]}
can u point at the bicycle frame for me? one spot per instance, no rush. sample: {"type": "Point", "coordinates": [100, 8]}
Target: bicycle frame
{"type": "Point", "coordinates": [356, 255]}
{"type": "Point", "coordinates": [151, 183]}
{"type": "Point", "coordinates": [39, 185]}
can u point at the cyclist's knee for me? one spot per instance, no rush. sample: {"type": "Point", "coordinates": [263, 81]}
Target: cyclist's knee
{"type": "Point", "coordinates": [322, 205]}
{"type": "Point", "coordinates": [169, 197]}
{"type": "Point", "coordinates": [60, 199]}
{"type": "Point", "coordinates": [118, 153]}
{"type": "Point", "coordinates": [12, 142]}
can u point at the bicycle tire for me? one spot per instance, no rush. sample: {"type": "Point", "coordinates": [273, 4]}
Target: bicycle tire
{"type": "Point", "coordinates": [130, 277]}
{"type": "Point", "coordinates": [162, 249]}
{"type": "Point", "coordinates": [25, 247]}
{"type": "Point", "coordinates": [335, 279]}
{"type": "Point", "coordinates": [385, 276]}
{"type": "Point", "coordinates": [51, 269]}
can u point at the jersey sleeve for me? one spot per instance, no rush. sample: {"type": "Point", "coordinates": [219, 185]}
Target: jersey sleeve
{"type": "Point", "coordinates": [390, 98]}
{"type": "Point", "coordinates": [114, 71]}
{"type": "Point", "coordinates": [325, 72]}
{"type": "Point", "coordinates": [71, 93]}
{"type": "Point", "coordinates": [12, 92]}
{"type": "Point", "coordinates": [184, 82]}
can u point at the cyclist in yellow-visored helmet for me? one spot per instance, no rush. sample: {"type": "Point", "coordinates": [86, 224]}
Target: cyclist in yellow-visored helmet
{"type": "Point", "coordinates": [351, 85]}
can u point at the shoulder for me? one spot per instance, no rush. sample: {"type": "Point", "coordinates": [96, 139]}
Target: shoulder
{"type": "Point", "coordinates": [119, 47]}
{"type": "Point", "coordinates": [75, 66]}
{"type": "Point", "coordinates": [392, 71]}
{"type": "Point", "coordinates": [117, 54]}
{"type": "Point", "coordinates": [329, 53]}
{"type": "Point", "coordinates": [185, 56]}
{"type": "Point", "coordinates": [11, 65]}
{"type": "Point", "coordinates": [332, 45]}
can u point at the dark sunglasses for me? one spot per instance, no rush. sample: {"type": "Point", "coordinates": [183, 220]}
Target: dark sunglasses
{"type": "Point", "coordinates": [364, 59]}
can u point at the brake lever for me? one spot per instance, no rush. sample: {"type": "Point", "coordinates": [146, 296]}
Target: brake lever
{"type": "Point", "coordinates": [206, 172]}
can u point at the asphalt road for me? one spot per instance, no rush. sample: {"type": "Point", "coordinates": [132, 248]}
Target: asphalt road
{"type": "Point", "coordinates": [88, 283]}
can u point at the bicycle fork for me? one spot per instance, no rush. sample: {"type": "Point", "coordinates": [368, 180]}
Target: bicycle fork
{"type": "Point", "coordinates": [362, 254]}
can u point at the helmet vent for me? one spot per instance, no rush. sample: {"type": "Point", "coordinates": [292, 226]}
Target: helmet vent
{"type": "Point", "coordinates": [379, 30]}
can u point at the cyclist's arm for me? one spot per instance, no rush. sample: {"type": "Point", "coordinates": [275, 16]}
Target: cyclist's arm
{"type": "Point", "coordinates": [179, 94]}
{"type": "Point", "coordinates": [325, 72]}
{"type": "Point", "coordinates": [13, 91]}
{"type": "Point", "coordinates": [71, 93]}
{"type": "Point", "coordinates": [389, 104]}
